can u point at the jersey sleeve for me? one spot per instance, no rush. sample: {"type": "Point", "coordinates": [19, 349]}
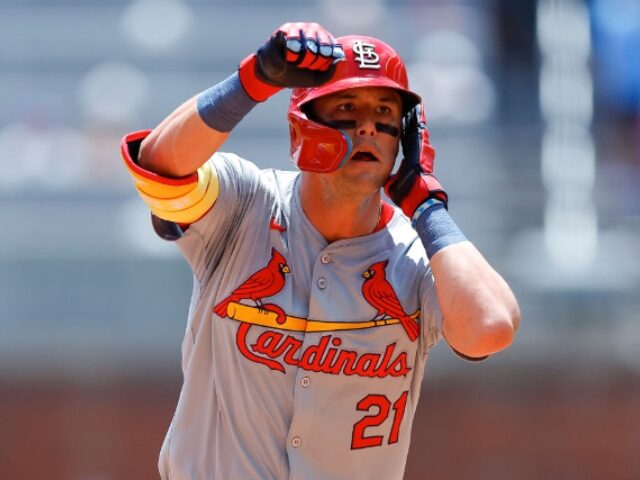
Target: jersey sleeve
{"type": "Point", "coordinates": [432, 317]}
{"type": "Point", "coordinates": [205, 239]}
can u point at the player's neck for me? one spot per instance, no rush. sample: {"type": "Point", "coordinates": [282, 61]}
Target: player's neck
{"type": "Point", "coordinates": [338, 217]}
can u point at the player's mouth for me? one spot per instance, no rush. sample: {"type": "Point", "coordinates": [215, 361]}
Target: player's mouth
{"type": "Point", "coordinates": [364, 155]}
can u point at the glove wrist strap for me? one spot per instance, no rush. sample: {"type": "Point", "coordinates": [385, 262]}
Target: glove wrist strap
{"type": "Point", "coordinates": [257, 89]}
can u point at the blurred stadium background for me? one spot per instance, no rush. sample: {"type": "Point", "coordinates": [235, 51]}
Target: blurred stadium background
{"type": "Point", "coordinates": [534, 110]}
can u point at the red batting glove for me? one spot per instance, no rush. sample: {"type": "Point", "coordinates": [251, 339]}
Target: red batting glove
{"type": "Point", "coordinates": [414, 183]}
{"type": "Point", "coordinates": [295, 55]}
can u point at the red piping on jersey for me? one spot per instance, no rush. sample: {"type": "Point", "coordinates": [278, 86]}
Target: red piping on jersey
{"type": "Point", "coordinates": [386, 214]}
{"type": "Point", "coordinates": [273, 225]}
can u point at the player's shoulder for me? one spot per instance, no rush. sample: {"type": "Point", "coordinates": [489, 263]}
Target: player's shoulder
{"type": "Point", "coordinates": [231, 164]}
{"type": "Point", "coordinates": [232, 168]}
{"type": "Point", "coordinates": [279, 182]}
{"type": "Point", "coordinates": [280, 177]}
{"type": "Point", "coordinates": [234, 162]}
{"type": "Point", "coordinates": [400, 229]}
{"type": "Point", "coordinates": [405, 241]}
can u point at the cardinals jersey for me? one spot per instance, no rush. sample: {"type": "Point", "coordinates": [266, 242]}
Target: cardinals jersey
{"type": "Point", "coordinates": [302, 359]}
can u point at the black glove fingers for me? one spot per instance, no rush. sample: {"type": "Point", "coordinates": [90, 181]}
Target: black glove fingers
{"type": "Point", "coordinates": [402, 183]}
{"type": "Point", "coordinates": [271, 64]}
{"type": "Point", "coordinates": [313, 54]}
{"type": "Point", "coordinates": [321, 64]}
{"type": "Point", "coordinates": [411, 141]}
{"type": "Point", "coordinates": [298, 55]}
{"type": "Point", "coordinates": [414, 181]}
{"type": "Point", "coordinates": [310, 48]}
{"type": "Point", "coordinates": [409, 130]}
{"type": "Point", "coordinates": [326, 46]}
{"type": "Point", "coordinates": [294, 47]}
{"type": "Point", "coordinates": [426, 152]}
{"type": "Point", "coordinates": [321, 61]}
{"type": "Point", "coordinates": [412, 120]}
{"type": "Point", "coordinates": [338, 53]}
{"type": "Point", "coordinates": [330, 52]}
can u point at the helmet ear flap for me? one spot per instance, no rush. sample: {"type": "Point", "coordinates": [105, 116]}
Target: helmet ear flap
{"type": "Point", "coordinates": [316, 147]}
{"type": "Point", "coordinates": [296, 137]}
{"type": "Point", "coordinates": [294, 132]}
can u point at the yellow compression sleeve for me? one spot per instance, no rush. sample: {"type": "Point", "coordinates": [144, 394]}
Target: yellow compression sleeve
{"type": "Point", "coordinates": [181, 200]}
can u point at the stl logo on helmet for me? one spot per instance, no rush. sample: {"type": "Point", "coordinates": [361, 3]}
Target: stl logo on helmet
{"type": "Point", "coordinates": [365, 54]}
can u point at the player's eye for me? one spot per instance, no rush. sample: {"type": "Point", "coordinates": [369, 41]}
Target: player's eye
{"type": "Point", "coordinates": [346, 107]}
{"type": "Point", "coordinates": [384, 110]}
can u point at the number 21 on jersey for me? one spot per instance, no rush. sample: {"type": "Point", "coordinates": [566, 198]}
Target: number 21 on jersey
{"type": "Point", "coordinates": [384, 406]}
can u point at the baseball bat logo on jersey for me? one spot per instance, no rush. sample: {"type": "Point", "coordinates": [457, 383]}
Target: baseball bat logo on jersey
{"type": "Point", "coordinates": [266, 282]}
{"type": "Point", "coordinates": [274, 349]}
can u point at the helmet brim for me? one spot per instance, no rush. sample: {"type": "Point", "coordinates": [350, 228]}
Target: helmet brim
{"type": "Point", "coordinates": [409, 99]}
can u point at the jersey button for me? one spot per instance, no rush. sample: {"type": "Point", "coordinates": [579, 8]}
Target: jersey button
{"type": "Point", "coordinates": [305, 382]}
{"type": "Point", "coordinates": [322, 283]}
{"type": "Point", "coordinates": [326, 258]}
{"type": "Point", "coordinates": [295, 442]}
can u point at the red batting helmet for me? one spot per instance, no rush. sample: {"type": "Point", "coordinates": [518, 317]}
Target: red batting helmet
{"type": "Point", "coordinates": [369, 62]}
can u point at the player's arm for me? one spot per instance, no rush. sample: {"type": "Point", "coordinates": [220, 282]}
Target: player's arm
{"type": "Point", "coordinates": [183, 142]}
{"type": "Point", "coordinates": [170, 164]}
{"type": "Point", "coordinates": [480, 312]}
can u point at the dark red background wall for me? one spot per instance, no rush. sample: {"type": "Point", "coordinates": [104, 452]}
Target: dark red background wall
{"type": "Point", "coordinates": [529, 428]}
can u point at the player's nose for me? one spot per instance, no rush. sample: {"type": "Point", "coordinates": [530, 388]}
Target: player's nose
{"type": "Point", "coordinates": [366, 125]}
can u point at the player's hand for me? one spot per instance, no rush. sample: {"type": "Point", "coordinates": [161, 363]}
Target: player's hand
{"type": "Point", "coordinates": [295, 55]}
{"type": "Point", "coordinates": [414, 183]}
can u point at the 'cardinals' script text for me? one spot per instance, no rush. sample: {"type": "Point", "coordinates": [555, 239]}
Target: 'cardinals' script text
{"type": "Point", "coordinates": [273, 348]}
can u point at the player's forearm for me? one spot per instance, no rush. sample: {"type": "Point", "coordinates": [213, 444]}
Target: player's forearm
{"type": "Point", "coordinates": [480, 312]}
{"type": "Point", "coordinates": [181, 143]}
{"type": "Point", "coordinates": [194, 131]}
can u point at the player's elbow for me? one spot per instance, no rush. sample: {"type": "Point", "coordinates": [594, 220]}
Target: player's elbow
{"type": "Point", "coordinates": [498, 335]}
{"type": "Point", "coordinates": [494, 337]}
{"type": "Point", "coordinates": [486, 334]}
{"type": "Point", "coordinates": [498, 326]}
{"type": "Point", "coordinates": [499, 329]}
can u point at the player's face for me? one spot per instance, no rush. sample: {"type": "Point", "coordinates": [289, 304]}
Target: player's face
{"type": "Point", "coordinates": [371, 116]}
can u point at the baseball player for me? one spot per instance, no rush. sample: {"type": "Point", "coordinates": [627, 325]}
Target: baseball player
{"type": "Point", "coordinates": [315, 301]}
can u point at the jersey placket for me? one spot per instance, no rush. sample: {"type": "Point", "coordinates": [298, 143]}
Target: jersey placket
{"type": "Point", "coordinates": [304, 398]}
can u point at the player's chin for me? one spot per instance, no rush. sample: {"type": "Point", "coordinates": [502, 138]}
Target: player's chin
{"type": "Point", "coordinates": [367, 175]}
{"type": "Point", "coordinates": [367, 183]}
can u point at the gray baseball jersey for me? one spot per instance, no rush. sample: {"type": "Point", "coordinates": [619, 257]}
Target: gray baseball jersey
{"type": "Point", "coordinates": [298, 360]}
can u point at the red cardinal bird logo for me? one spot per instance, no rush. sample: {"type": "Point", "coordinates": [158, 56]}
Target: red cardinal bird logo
{"type": "Point", "coordinates": [377, 290]}
{"type": "Point", "coordinates": [266, 282]}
